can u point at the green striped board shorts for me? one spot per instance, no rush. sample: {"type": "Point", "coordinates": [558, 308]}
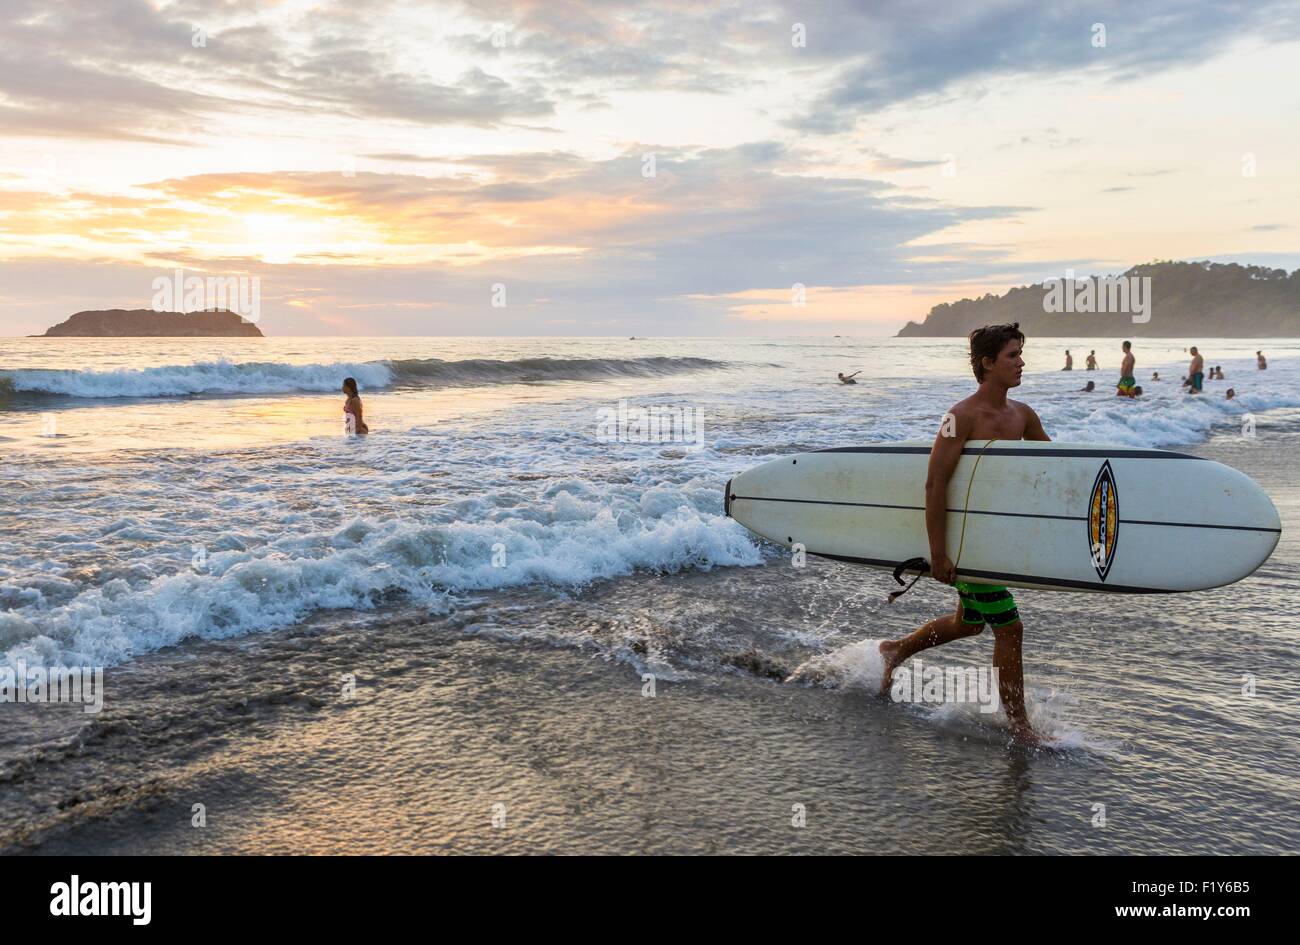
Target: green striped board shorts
{"type": "Point", "coordinates": [987, 603]}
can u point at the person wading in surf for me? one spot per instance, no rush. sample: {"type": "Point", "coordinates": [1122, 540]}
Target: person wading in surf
{"type": "Point", "coordinates": [995, 357]}
{"type": "Point", "coordinates": [1195, 373]}
{"type": "Point", "coordinates": [1127, 381]}
{"type": "Point", "coordinates": [352, 409]}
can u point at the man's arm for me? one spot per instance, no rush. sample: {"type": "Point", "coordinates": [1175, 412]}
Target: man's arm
{"type": "Point", "coordinates": [944, 455]}
{"type": "Point", "coordinates": [1033, 426]}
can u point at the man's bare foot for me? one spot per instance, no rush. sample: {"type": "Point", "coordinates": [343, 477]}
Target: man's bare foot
{"type": "Point", "coordinates": [1023, 734]}
{"type": "Point", "coordinates": [889, 653]}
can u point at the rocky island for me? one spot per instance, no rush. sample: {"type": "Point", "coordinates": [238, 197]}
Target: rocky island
{"type": "Point", "coordinates": [146, 323]}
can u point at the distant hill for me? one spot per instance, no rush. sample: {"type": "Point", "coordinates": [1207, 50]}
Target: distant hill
{"type": "Point", "coordinates": [1188, 300]}
{"type": "Point", "coordinates": [146, 323]}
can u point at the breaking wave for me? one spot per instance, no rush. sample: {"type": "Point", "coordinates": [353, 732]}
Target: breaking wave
{"type": "Point", "coordinates": [215, 378]}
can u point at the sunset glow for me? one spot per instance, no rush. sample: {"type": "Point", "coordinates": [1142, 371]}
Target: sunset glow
{"type": "Point", "coordinates": [682, 168]}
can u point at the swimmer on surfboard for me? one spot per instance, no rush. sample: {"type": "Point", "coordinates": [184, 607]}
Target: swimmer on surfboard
{"type": "Point", "coordinates": [985, 415]}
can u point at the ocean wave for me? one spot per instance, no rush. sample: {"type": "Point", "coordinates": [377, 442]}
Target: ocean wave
{"type": "Point", "coordinates": [1166, 415]}
{"type": "Point", "coordinates": [105, 577]}
{"type": "Point", "coordinates": [363, 564]}
{"type": "Point", "coordinates": [214, 378]}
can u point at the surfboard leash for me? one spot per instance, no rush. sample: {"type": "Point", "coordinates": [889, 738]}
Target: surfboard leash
{"type": "Point", "coordinates": [965, 507]}
{"type": "Point", "coordinates": [920, 564]}
{"type": "Point", "coordinates": [922, 567]}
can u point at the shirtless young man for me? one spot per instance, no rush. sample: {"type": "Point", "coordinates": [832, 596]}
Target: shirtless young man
{"type": "Point", "coordinates": [1196, 373]}
{"type": "Point", "coordinates": [987, 414]}
{"type": "Point", "coordinates": [1127, 381]}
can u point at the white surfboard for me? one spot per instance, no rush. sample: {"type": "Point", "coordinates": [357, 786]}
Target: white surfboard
{"type": "Point", "coordinates": [1055, 516]}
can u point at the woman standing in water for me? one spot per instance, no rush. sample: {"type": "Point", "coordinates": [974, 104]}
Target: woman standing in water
{"type": "Point", "coordinates": [352, 407]}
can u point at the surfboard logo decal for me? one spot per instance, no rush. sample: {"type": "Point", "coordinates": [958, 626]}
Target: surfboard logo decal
{"type": "Point", "coordinates": [1103, 521]}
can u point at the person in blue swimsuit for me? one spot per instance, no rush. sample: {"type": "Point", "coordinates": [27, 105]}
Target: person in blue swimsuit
{"type": "Point", "coordinates": [1196, 373]}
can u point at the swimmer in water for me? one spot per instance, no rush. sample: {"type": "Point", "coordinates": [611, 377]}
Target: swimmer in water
{"type": "Point", "coordinates": [1088, 388]}
{"type": "Point", "coordinates": [1195, 381]}
{"type": "Point", "coordinates": [1127, 381]}
{"type": "Point", "coordinates": [848, 378]}
{"type": "Point", "coordinates": [352, 408]}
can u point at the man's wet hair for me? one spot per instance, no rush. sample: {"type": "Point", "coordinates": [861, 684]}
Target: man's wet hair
{"type": "Point", "coordinates": [988, 341]}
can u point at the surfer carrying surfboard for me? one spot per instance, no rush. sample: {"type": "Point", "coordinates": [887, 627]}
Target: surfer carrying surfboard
{"type": "Point", "coordinates": [988, 414]}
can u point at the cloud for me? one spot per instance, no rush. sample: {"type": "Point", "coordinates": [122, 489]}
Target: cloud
{"type": "Point", "coordinates": [595, 239]}
{"type": "Point", "coordinates": [897, 51]}
{"type": "Point", "coordinates": [884, 163]}
{"type": "Point", "coordinates": [127, 70]}
{"type": "Point", "coordinates": [674, 45]}
{"type": "Point", "coordinates": [131, 70]}
{"type": "Point", "coordinates": [1046, 138]}
{"type": "Point", "coordinates": [521, 165]}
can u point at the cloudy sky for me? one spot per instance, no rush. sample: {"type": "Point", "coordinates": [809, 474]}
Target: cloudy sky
{"type": "Point", "coordinates": [665, 168]}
